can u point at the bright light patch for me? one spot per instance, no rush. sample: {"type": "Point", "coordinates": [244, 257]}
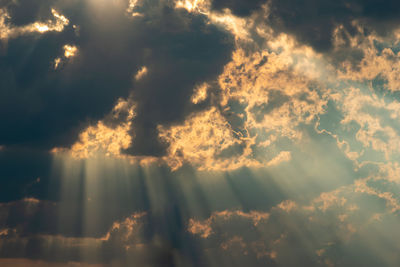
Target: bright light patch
{"type": "Point", "coordinates": [8, 31]}
{"type": "Point", "coordinates": [203, 140]}
{"type": "Point", "coordinates": [200, 93]}
{"type": "Point", "coordinates": [57, 63]}
{"type": "Point", "coordinates": [141, 73]}
{"type": "Point", "coordinates": [70, 51]}
{"type": "Point", "coordinates": [104, 139]}
{"type": "Point", "coordinates": [41, 27]}
{"type": "Point", "coordinates": [238, 26]}
{"type": "Point", "coordinates": [133, 4]}
{"type": "Point", "coordinates": [193, 5]}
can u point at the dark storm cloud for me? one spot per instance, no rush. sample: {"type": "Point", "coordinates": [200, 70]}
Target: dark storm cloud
{"type": "Point", "coordinates": [240, 8]}
{"type": "Point", "coordinates": [313, 21]}
{"type": "Point", "coordinates": [43, 108]}
{"type": "Point", "coordinates": [23, 12]}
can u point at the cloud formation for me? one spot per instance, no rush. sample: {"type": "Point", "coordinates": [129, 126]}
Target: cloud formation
{"type": "Point", "coordinates": [199, 133]}
{"type": "Point", "coordinates": [103, 70]}
{"type": "Point", "coordinates": [315, 23]}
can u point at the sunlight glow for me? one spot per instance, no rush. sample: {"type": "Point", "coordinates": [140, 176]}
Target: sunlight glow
{"type": "Point", "coordinates": [9, 31]}
{"type": "Point", "coordinates": [70, 50]}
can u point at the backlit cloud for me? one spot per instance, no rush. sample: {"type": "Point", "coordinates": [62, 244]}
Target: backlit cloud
{"type": "Point", "coordinates": [199, 133]}
{"type": "Point", "coordinates": [8, 31]}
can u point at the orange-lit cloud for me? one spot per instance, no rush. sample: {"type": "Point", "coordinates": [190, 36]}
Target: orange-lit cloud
{"type": "Point", "coordinates": [104, 139]}
{"type": "Point", "coordinates": [201, 6]}
{"type": "Point", "coordinates": [385, 63]}
{"type": "Point", "coordinates": [272, 234]}
{"type": "Point", "coordinates": [200, 93]}
{"type": "Point", "coordinates": [127, 230]}
{"type": "Point", "coordinates": [239, 27]}
{"type": "Point", "coordinates": [200, 140]}
{"type": "Point", "coordinates": [70, 51]}
{"type": "Point", "coordinates": [205, 228]}
{"type": "Point", "coordinates": [276, 99]}
{"type": "Point", "coordinates": [277, 93]}
{"type": "Point", "coordinates": [280, 89]}
{"type": "Point", "coordinates": [8, 31]}
{"type": "Point", "coordinates": [141, 73]}
{"type": "Point", "coordinates": [126, 234]}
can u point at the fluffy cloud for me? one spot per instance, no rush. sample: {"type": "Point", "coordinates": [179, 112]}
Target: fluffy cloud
{"type": "Point", "coordinates": [43, 107]}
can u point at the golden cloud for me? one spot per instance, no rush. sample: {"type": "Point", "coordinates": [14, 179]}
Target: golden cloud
{"type": "Point", "coordinates": [104, 139]}
{"type": "Point", "coordinates": [8, 31]}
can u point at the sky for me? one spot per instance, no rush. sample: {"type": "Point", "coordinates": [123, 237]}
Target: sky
{"type": "Point", "coordinates": [199, 133]}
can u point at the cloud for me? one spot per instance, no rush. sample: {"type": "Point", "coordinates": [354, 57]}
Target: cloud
{"type": "Point", "coordinates": [8, 31]}
{"type": "Point", "coordinates": [326, 231]}
{"type": "Point", "coordinates": [379, 64]}
{"type": "Point", "coordinates": [320, 24]}
{"type": "Point", "coordinates": [103, 138]}
{"type": "Point", "coordinates": [102, 72]}
{"type": "Point", "coordinates": [140, 238]}
{"type": "Point", "coordinates": [199, 133]}
{"type": "Point", "coordinates": [263, 99]}
{"type": "Point", "coordinates": [239, 8]}
{"type": "Point", "coordinates": [18, 241]}
{"type": "Point", "coordinates": [314, 22]}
